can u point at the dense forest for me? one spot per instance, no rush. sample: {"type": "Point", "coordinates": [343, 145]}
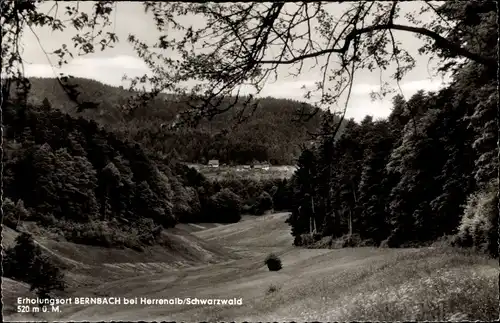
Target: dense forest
{"type": "Point", "coordinates": [80, 181]}
{"type": "Point", "coordinates": [430, 170]}
{"type": "Point", "coordinates": [109, 176]}
{"type": "Point", "coordinates": [81, 164]}
{"type": "Point", "coordinates": [268, 133]}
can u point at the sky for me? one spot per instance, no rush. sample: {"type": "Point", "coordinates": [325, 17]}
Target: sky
{"type": "Point", "coordinates": [111, 65]}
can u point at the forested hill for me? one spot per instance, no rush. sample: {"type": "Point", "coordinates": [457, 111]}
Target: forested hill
{"type": "Point", "coordinates": [82, 182]}
{"type": "Point", "coordinates": [88, 180]}
{"type": "Point", "coordinates": [78, 180]}
{"type": "Point", "coordinates": [270, 134]}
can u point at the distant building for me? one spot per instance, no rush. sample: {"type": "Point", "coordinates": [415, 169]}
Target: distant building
{"type": "Point", "coordinates": [246, 166]}
{"type": "Point", "coordinates": [213, 163]}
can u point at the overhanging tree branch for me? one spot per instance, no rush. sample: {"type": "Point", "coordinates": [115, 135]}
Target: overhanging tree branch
{"type": "Point", "coordinates": [440, 41]}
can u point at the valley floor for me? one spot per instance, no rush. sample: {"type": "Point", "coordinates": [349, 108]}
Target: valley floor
{"type": "Point", "coordinates": [314, 284]}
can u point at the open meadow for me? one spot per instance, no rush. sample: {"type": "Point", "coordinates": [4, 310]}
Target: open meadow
{"type": "Point", "coordinates": [227, 261]}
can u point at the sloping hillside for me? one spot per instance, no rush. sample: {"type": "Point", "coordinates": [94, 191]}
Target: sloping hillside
{"type": "Point", "coordinates": [314, 284]}
{"type": "Point", "coordinates": [91, 266]}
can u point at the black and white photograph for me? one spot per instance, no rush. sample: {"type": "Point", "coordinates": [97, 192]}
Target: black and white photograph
{"type": "Point", "coordinates": [246, 161]}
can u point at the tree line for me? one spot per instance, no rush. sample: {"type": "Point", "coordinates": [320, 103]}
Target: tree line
{"type": "Point", "coordinates": [428, 171]}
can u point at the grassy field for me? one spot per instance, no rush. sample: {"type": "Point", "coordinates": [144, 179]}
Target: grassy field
{"type": "Point", "coordinates": [232, 172]}
{"type": "Point", "coordinates": [314, 284]}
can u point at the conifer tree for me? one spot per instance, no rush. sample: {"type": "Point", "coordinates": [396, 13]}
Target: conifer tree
{"type": "Point", "coordinates": [303, 193]}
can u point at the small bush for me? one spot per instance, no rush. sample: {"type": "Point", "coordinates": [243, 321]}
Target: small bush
{"type": "Point", "coordinates": [384, 244]}
{"type": "Point", "coordinates": [273, 262]}
{"type": "Point", "coordinates": [317, 236]}
{"type": "Point", "coordinates": [353, 240]}
{"type": "Point", "coordinates": [47, 220]}
{"type": "Point", "coordinates": [263, 203]}
{"type": "Point", "coordinates": [324, 243]}
{"type": "Point", "coordinates": [394, 240]}
{"type": "Point", "coordinates": [272, 289]}
{"type": "Point", "coordinates": [479, 224]}
{"type": "Point", "coordinates": [305, 239]}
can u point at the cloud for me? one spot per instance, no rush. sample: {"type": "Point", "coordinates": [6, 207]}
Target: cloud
{"type": "Point", "coordinates": [361, 104]}
{"type": "Point", "coordinates": [363, 88]}
{"type": "Point", "coordinates": [408, 88]}
{"type": "Point", "coordinates": [108, 70]}
{"type": "Point", "coordinates": [426, 85]}
{"type": "Point", "coordinates": [360, 107]}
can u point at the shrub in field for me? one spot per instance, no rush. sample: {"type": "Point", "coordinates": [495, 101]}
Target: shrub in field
{"type": "Point", "coordinates": [317, 236]}
{"type": "Point", "coordinates": [479, 225]}
{"type": "Point", "coordinates": [273, 262]}
{"type": "Point", "coordinates": [305, 239]}
{"type": "Point", "coordinates": [353, 240]}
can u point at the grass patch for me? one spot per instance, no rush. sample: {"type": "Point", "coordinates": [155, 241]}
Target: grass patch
{"type": "Point", "coordinates": [446, 295]}
{"type": "Point", "coordinates": [428, 284]}
{"type": "Point", "coordinates": [433, 285]}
